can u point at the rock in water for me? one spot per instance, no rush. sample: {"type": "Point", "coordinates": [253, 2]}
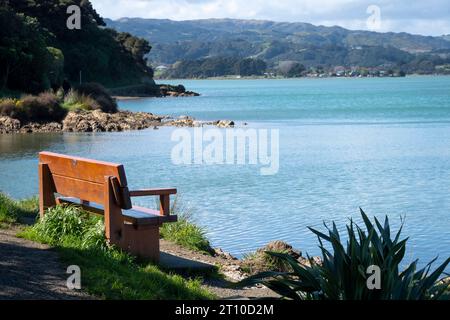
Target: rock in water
{"type": "Point", "coordinates": [9, 125]}
{"type": "Point", "coordinates": [225, 123]}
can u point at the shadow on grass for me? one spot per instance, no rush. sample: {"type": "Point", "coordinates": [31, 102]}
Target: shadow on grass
{"type": "Point", "coordinates": [110, 273]}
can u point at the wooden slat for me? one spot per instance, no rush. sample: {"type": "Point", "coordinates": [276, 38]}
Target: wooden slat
{"type": "Point", "coordinates": [82, 169]}
{"type": "Point", "coordinates": [77, 188]}
{"type": "Point", "coordinates": [137, 215]}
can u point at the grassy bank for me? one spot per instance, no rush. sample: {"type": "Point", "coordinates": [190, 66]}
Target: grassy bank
{"type": "Point", "coordinates": [12, 211]}
{"type": "Point", "coordinates": [184, 232]}
{"type": "Point", "coordinates": [107, 272]}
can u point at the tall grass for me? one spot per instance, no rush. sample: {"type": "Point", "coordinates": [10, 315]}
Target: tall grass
{"type": "Point", "coordinates": [185, 232]}
{"type": "Point", "coordinates": [107, 272]}
{"type": "Point", "coordinates": [11, 210]}
{"type": "Point", "coordinates": [76, 101]}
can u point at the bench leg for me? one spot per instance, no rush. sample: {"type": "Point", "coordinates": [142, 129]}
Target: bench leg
{"type": "Point", "coordinates": [113, 215]}
{"type": "Point", "coordinates": [46, 189]}
{"type": "Point", "coordinates": [142, 241]}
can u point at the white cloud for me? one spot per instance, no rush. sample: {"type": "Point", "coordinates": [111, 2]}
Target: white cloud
{"type": "Point", "coordinates": [424, 17]}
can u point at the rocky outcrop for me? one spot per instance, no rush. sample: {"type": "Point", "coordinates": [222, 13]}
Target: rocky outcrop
{"type": "Point", "coordinates": [41, 127]}
{"type": "Point", "coordinates": [153, 90]}
{"type": "Point", "coordinates": [260, 261]}
{"type": "Point", "coordinates": [224, 123]}
{"type": "Point", "coordinates": [176, 91]}
{"type": "Point", "coordinates": [186, 121]}
{"type": "Point", "coordinates": [9, 125]}
{"type": "Point", "coordinates": [98, 121]}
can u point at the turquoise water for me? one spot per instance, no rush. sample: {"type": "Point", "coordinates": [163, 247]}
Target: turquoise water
{"type": "Point", "coordinates": [379, 144]}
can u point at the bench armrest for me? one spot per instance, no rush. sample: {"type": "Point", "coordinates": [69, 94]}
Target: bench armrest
{"type": "Point", "coordinates": [164, 197]}
{"type": "Point", "coordinates": [152, 192]}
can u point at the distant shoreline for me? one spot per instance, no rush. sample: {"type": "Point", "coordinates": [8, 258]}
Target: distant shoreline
{"type": "Point", "coordinates": [300, 78]}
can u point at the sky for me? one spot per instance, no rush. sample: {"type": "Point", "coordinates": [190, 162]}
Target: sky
{"type": "Point", "coordinates": [427, 17]}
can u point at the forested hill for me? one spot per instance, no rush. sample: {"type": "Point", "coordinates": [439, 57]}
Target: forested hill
{"type": "Point", "coordinates": [37, 50]}
{"type": "Point", "coordinates": [275, 42]}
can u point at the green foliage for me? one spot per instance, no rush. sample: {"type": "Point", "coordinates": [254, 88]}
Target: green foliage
{"type": "Point", "coordinates": [56, 67]}
{"type": "Point", "coordinates": [23, 53]}
{"type": "Point", "coordinates": [70, 222]}
{"type": "Point", "coordinates": [216, 67]}
{"type": "Point", "coordinates": [250, 67]}
{"type": "Point", "coordinates": [41, 51]}
{"type": "Point", "coordinates": [108, 273]}
{"type": "Point", "coordinates": [184, 232]}
{"type": "Point", "coordinates": [76, 101]}
{"type": "Point", "coordinates": [342, 274]}
{"type": "Point", "coordinates": [291, 69]}
{"type": "Point", "coordinates": [11, 211]}
{"type": "Point", "coordinates": [54, 107]}
{"type": "Point", "coordinates": [44, 107]}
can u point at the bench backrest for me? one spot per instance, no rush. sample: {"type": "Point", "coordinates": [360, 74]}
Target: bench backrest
{"type": "Point", "coordinates": [85, 178]}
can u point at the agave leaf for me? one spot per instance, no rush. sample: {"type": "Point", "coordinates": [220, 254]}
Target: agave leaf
{"type": "Point", "coordinates": [302, 272]}
{"type": "Point", "coordinates": [282, 289]}
{"type": "Point", "coordinates": [320, 234]}
{"type": "Point", "coordinates": [256, 279]}
{"type": "Point", "coordinates": [430, 281]}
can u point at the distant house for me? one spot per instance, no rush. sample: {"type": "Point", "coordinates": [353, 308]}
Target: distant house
{"type": "Point", "coordinates": [339, 71]}
{"type": "Point", "coordinates": [161, 68]}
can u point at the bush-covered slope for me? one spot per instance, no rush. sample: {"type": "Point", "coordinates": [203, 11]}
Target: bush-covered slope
{"type": "Point", "coordinates": [37, 50]}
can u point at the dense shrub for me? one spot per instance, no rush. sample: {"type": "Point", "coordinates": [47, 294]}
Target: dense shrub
{"type": "Point", "coordinates": [99, 94]}
{"type": "Point", "coordinates": [41, 108]}
{"type": "Point", "coordinates": [8, 108]}
{"type": "Point", "coordinates": [343, 273]}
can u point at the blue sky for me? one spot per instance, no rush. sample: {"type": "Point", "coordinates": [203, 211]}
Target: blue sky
{"type": "Point", "coordinates": [428, 17]}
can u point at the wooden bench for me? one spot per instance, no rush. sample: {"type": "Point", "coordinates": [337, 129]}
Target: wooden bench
{"type": "Point", "coordinates": [101, 187]}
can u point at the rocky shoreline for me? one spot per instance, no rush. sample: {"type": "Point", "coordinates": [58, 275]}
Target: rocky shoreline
{"type": "Point", "coordinates": [235, 269]}
{"type": "Point", "coordinates": [98, 121]}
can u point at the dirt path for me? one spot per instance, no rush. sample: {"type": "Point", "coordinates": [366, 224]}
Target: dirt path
{"type": "Point", "coordinates": [29, 270]}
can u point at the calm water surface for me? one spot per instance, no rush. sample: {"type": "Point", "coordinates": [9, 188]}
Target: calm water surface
{"type": "Point", "coordinates": [379, 144]}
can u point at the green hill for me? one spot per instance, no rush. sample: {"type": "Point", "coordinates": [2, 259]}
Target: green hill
{"type": "Point", "coordinates": [278, 42]}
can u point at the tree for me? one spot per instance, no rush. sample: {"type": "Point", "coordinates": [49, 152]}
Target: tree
{"type": "Point", "coordinates": [23, 53]}
{"type": "Point", "coordinates": [250, 67]}
{"type": "Point", "coordinates": [291, 69]}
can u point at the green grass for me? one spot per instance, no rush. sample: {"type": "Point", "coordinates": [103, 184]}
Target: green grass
{"type": "Point", "coordinates": [106, 271]}
{"type": "Point", "coordinates": [184, 232]}
{"type": "Point", "coordinates": [11, 210]}
{"type": "Point", "coordinates": [74, 101]}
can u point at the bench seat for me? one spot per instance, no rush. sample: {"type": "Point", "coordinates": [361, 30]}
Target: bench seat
{"type": "Point", "coordinates": [138, 216]}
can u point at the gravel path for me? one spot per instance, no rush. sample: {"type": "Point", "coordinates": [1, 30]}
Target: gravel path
{"type": "Point", "coordinates": [29, 270]}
